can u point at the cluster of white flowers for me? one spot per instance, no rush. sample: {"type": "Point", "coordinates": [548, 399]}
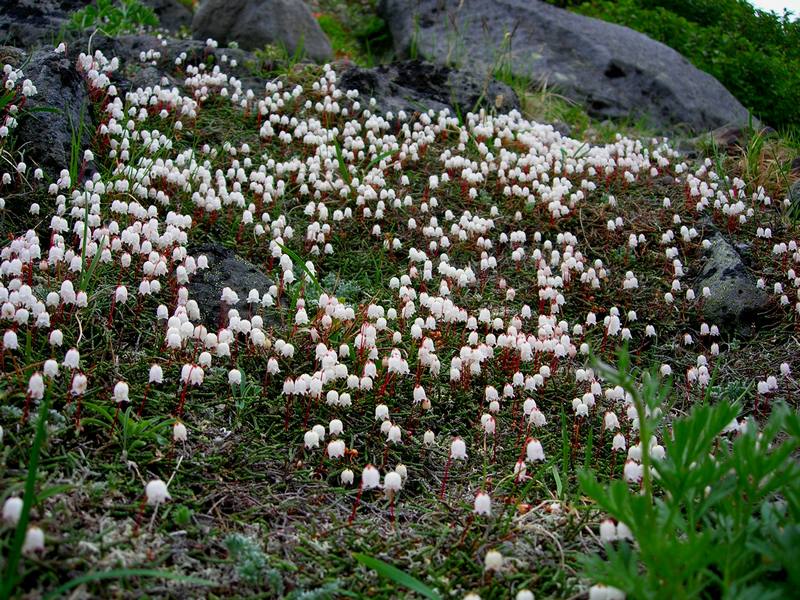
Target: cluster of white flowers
{"type": "Point", "coordinates": [350, 174]}
{"type": "Point", "coordinates": [15, 89]}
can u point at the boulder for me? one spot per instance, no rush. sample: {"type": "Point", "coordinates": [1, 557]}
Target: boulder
{"type": "Point", "coordinates": [30, 23]}
{"type": "Point", "coordinates": [45, 136]}
{"type": "Point", "coordinates": [612, 70]}
{"type": "Point", "coordinates": [735, 299]}
{"type": "Point", "coordinates": [794, 193]}
{"type": "Point", "coordinates": [172, 15]}
{"type": "Point", "coordinates": [416, 85]}
{"type": "Point", "coordinates": [254, 24]}
{"type": "Point", "coordinates": [225, 269]}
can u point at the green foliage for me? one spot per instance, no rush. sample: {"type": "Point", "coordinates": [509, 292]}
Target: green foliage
{"type": "Point", "coordinates": [346, 290]}
{"type": "Point", "coordinates": [275, 59]}
{"type": "Point", "coordinates": [113, 17]}
{"type": "Point", "coordinates": [718, 517]}
{"type": "Point", "coordinates": [358, 38]}
{"type": "Point", "coordinates": [136, 436]}
{"type": "Point", "coordinates": [120, 574]}
{"type": "Point", "coordinates": [252, 564]}
{"type": "Point", "coordinates": [755, 54]}
{"type": "Point", "coordinates": [355, 30]}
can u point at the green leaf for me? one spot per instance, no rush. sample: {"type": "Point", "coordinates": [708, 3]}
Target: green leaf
{"type": "Point", "coordinates": [342, 164]}
{"type": "Point", "coordinates": [379, 158]}
{"type": "Point", "coordinates": [92, 266]}
{"type": "Point", "coordinates": [559, 485]}
{"type": "Point", "coordinates": [299, 262]}
{"type": "Point", "coordinates": [402, 578]}
{"type": "Point", "coordinates": [125, 574]}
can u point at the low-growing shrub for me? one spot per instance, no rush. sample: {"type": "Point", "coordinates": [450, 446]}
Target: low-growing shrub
{"type": "Point", "coordinates": [113, 17]}
{"type": "Point", "coordinates": [718, 511]}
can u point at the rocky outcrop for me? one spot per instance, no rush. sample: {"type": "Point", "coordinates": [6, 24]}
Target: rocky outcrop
{"type": "Point", "coordinates": [59, 108]}
{"type": "Point", "coordinates": [254, 24]}
{"type": "Point", "coordinates": [794, 193]}
{"type": "Point", "coordinates": [225, 269]}
{"type": "Point", "coordinates": [30, 23]}
{"type": "Point", "coordinates": [416, 85]}
{"type": "Point", "coordinates": [612, 70]}
{"type": "Point", "coordinates": [735, 299]}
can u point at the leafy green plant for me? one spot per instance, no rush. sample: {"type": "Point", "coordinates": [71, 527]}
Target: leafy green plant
{"type": "Point", "coordinates": [347, 290]}
{"type": "Point", "coordinates": [252, 564]}
{"type": "Point", "coordinates": [113, 17]}
{"type": "Point", "coordinates": [275, 59]}
{"type": "Point", "coordinates": [716, 516]}
{"type": "Point", "coordinates": [135, 435]}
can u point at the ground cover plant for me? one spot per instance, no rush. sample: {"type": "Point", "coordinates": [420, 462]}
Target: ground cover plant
{"type": "Point", "coordinates": [113, 17]}
{"type": "Point", "coordinates": [421, 400]}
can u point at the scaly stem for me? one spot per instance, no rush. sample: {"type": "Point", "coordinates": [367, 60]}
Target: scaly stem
{"type": "Point", "coordinates": [357, 502]}
{"type": "Point", "coordinates": [444, 479]}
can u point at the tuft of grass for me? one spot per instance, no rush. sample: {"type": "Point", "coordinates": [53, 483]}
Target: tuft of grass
{"type": "Point", "coordinates": [11, 576]}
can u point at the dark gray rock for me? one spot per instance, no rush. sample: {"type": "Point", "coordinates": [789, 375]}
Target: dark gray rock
{"type": "Point", "coordinates": [225, 269]}
{"type": "Point", "coordinates": [30, 23]}
{"type": "Point", "coordinates": [613, 70]}
{"type": "Point", "coordinates": [255, 23]}
{"type": "Point", "coordinates": [172, 15]}
{"type": "Point", "coordinates": [415, 85]}
{"type": "Point", "coordinates": [46, 136]}
{"type": "Point", "coordinates": [735, 299]}
{"type": "Point", "coordinates": [150, 76]}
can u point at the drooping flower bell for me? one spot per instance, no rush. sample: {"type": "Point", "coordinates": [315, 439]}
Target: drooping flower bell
{"type": "Point", "coordinates": [156, 492]}
{"type": "Point", "coordinates": [483, 504]}
{"type": "Point", "coordinates": [370, 477]}
{"type": "Point", "coordinates": [458, 449]}
{"type": "Point", "coordinates": [121, 392]}
{"type": "Point", "coordinates": [34, 540]}
{"type": "Point", "coordinates": [12, 509]}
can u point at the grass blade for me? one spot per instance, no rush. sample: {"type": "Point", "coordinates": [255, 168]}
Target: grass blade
{"type": "Point", "coordinates": [402, 578]}
{"type": "Point", "coordinates": [15, 552]}
{"type": "Point", "coordinates": [84, 283]}
{"type": "Point", "coordinates": [125, 574]}
{"type": "Point", "coordinates": [342, 164]}
{"type": "Point", "coordinates": [379, 158]}
{"type": "Point", "coordinates": [299, 262]}
{"type": "Point", "coordinates": [559, 485]}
